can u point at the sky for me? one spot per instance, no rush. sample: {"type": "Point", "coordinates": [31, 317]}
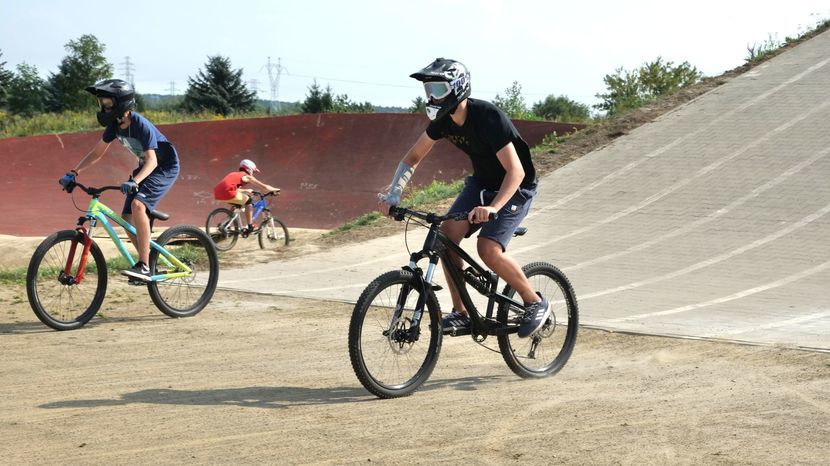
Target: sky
{"type": "Point", "coordinates": [368, 49]}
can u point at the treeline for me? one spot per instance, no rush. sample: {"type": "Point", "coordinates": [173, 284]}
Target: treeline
{"type": "Point", "coordinates": [30, 104]}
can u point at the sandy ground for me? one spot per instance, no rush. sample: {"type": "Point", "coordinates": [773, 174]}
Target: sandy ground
{"type": "Point", "coordinates": [263, 379]}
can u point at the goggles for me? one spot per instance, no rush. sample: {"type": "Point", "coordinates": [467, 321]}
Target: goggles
{"type": "Point", "coordinates": [437, 90]}
{"type": "Point", "coordinates": [106, 103]}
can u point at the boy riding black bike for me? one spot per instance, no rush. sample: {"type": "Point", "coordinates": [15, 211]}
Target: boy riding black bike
{"type": "Point", "coordinates": [503, 182]}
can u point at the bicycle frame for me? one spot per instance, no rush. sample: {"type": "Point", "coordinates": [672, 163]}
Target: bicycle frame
{"type": "Point", "coordinates": [258, 206]}
{"type": "Point", "coordinates": [483, 280]}
{"type": "Point", "coordinates": [98, 213]}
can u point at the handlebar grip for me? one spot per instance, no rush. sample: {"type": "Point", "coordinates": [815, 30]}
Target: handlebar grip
{"type": "Point", "coordinates": [397, 213]}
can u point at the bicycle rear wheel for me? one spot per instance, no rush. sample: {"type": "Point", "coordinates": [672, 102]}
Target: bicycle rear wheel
{"type": "Point", "coordinates": [184, 296]}
{"type": "Point", "coordinates": [273, 234]}
{"type": "Point", "coordinates": [221, 229]}
{"type": "Point", "coordinates": [546, 352]}
{"type": "Point", "coordinates": [390, 357]}
{"type": "Point", "coordinates": [56, 297]}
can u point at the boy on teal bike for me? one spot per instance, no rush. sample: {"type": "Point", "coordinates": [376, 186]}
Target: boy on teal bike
{"type": "Point", "coordinates": [158, 163]}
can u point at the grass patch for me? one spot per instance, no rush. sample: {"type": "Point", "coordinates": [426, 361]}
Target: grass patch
{"type": "Point", "coordinates": [72, 121]}
{"type": "Point", "coordinates": [364, 220]}
{"type": "Point", "coordinates": [434, 192]}
{"type": "Point", "coordinates": [16, 276]}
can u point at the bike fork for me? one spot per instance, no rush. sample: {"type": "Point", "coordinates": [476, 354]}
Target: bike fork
{"type": "Point", "coordinates": [67, 269]}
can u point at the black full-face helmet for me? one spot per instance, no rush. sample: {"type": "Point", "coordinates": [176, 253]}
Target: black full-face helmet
{"type": "Point", "coordinates": [447, 83]}
{"type": "Point", "coordinates": [122, 94]}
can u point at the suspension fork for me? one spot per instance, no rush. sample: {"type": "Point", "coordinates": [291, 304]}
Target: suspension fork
{"type": "Point", "coordinates": [86, 237]}
{"type": "Point", "coordinates": [424, 280]}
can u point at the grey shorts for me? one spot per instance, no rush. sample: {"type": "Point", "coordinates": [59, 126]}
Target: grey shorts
{"type": "Point", "coordinates": [510, 216]}
{"type": "Point", "coordinates": [152, 188]}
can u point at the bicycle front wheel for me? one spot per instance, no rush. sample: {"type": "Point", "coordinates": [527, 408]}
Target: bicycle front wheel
{"type": "Point", "coordinates": [222, 228]}
{"type": "Point", "coordinates": [546, 352]}
{"type": "Point", "coordinates": [184, 294]}
{"type": "Point", "coordinates": [389, 355]}
{"type": "Point", "coordinates": [273, 234]}
{"type": "Point", "coordinates": [62, 295]}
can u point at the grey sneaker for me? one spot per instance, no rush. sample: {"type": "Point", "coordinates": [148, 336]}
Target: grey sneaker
{"type": "Point", "coordinates": [455, 321]}
{"type": "Point", "coordinates": [536, 315]}
{"type": "Point", "coordinates": [138, 272]}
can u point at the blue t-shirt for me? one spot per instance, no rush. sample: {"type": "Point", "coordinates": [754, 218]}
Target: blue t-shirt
{"type": "Point", "coordinates": [141, 136]}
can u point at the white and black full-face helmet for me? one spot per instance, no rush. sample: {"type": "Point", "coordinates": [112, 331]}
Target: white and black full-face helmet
{"type": "Point", "coordinates": [123, 98]}
{"type": "Point", "coordinates": [447, 83]}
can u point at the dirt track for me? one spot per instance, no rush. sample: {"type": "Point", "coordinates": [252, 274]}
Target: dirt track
{"type": "Point", "coordinates": [259, 379]}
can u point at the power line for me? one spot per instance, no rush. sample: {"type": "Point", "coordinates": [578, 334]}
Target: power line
{"type": "Point", "coordinates": [254, 85]}
{"type": "Point", "coordinates": [127, 68]}
{"type": "Point", "coordinates": [275, 70]}
{"type": "Point", "coordinates": [172, 88]}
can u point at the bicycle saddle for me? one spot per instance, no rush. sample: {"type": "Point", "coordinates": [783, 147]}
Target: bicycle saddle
{"type": "Point", "coordinates": [157, 215]}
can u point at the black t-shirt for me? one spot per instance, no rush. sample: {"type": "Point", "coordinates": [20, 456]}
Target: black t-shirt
{"type": "Point", "coordinates": [485, 132]}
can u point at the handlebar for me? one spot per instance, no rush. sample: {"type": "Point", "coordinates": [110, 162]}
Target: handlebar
{"type": "Point", "coordinates": [400, 213]}
{"type": "Point", "coordinates": [89, 189]}
{"type": "Point", "coordinates": [271, 193]}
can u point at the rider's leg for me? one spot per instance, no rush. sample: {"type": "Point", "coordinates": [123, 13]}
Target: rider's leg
{"type": "Point", "coordinates": [455, 231]}
{"type": "Point", "coordinates": [496, 235]}
{"type": "Point", "coordinates": [249, 213]}
{"type": "Point", "coordinates": [492, 253]}
{"type": "Point", "coordinates": [129, 219]}
{"type": "Point", "coordinates": [141, 222]}
{"type": "Point", "coordinates": [242, 202]}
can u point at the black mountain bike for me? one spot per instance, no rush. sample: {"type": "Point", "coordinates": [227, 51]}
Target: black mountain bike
{"type": "Point", "coordinates": [395, 331]}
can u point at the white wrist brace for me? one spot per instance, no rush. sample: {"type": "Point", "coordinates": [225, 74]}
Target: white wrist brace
{"type": "Point", "coordinates": [399, 181]}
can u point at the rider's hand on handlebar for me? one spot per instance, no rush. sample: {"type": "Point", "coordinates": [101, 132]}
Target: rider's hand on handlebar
{"type": "Point", "coordinates": [67, 180]}
{"type": "Point", "coordinates": [481, 214]}
{"type": "Point", "coordinates": [129, 186]}
{"type": "Point", "coordinates": [386, 202]}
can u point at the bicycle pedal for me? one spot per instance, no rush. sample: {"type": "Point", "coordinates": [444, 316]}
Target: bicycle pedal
{"type": "Point", "coordinates": [457, 332]}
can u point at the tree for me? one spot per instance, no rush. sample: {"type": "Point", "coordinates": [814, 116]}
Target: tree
{"type": "Point", "coordinates": [319, 101]}
{"type": "Point", "coordinates": [419, 105]}
{"type": "Point", "coordinates": [84, 66]}
{"type": "Point", "coordinates": [218, 89]}
{"type": "Point", "coordinates": [561, 109]}
{"type": "Point", "coordinates": [632, 89]}
{"type": "Point", "coordinates": [5, 79]}
{"type": "Point", "coordinates": [513, 104]}
{"type": "Point", "coordinates": [26, 91]}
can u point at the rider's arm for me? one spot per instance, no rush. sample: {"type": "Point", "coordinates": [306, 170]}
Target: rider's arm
{"type": "Point", "coordinates": [514, 174]}
{"type": "Point", "coordinates": [418, 151]}
{"type": "Point", "coordinates": [93, 156]}
{"type": "Point", "coordinates": [150, 164]}
{"type": "Point", "coordinates": [406, 168]}
{"type": "Point", "coordinates": [262, 187]}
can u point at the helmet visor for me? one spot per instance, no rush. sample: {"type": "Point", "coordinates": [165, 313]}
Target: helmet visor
{"type": "Point", "coordinates": [437, 90]}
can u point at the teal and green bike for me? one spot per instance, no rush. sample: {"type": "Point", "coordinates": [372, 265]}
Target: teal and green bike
{"type": "Point", "coordinates": [67, 276]}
